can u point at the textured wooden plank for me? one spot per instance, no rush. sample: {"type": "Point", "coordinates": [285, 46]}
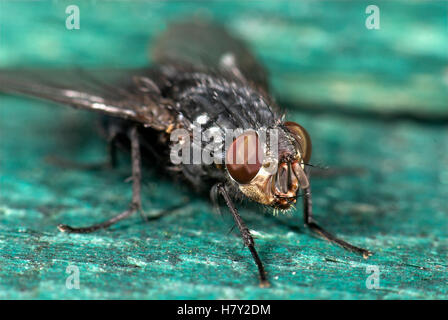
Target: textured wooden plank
{"type": "Point", "coordinates": [318, 52]}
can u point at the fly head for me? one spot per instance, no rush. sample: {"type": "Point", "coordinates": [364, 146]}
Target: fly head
{"type": "Point", "coordinates": [269, 168]}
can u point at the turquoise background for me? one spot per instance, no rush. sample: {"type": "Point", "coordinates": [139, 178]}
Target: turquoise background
{"type": "Point", "coordinates": [338, 79]}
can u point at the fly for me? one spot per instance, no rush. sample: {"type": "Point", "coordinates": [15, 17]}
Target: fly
{"type": "Point", "coordinates": [201, 76]}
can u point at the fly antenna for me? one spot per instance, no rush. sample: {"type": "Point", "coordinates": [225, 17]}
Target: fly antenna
{"type": "Point", "coordinates": [316, 166]}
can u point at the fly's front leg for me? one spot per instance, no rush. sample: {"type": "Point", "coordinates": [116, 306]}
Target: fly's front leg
{"type": "Point", "coordinates": [309, 221]}
{"type": "Point", "coordinates": [136, 186]}
{"type": "Point", "coordinates": [245, 234]}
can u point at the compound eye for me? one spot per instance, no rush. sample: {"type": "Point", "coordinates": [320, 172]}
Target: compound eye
{"type": "Point", "coordinates": [244, 158]}
{"type": "Point", "coordinates": [302, 137]}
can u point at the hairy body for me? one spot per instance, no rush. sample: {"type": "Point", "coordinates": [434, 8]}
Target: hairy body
{"type": "Point", "coordinates": [203, 77]}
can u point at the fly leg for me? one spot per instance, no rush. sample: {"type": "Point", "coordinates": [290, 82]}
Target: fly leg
{"type": "Point", "coordinates": [135, 204]}
{"type": "Point", "coordinates": [111, 161]}
{"type": "Point", "coordinates": [245, 234]}
{"type": "Point", "coordinates": [309, 221]}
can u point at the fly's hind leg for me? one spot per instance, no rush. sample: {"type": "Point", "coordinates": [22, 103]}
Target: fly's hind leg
{"type": "Point", "coordinates": [135, 204]}
{"type": "Point", "coordinates": [309, 221]}
{"type": "Point", "coordinates": [245, 234]}
{"type": "Point", "coordinates": [111, 161]}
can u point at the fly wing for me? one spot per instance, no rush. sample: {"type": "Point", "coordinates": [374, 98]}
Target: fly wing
{"type": "Point", "coordinates": [129, 94]}
{"type": "Point", "coordinates": [208, 47]}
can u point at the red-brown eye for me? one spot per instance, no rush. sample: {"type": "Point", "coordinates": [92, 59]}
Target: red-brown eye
{"type": "Point", "coordinates": [244, 157]}
{"type": "Point", "coordinates": [302, 137]}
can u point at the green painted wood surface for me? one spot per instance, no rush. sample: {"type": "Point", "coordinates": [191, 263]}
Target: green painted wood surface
{"type": "Point", "coordinates": [317, 53]}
